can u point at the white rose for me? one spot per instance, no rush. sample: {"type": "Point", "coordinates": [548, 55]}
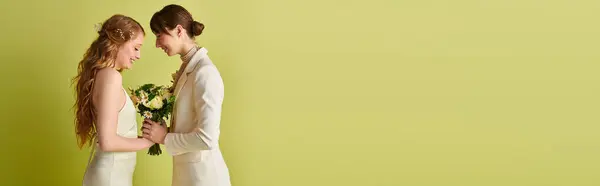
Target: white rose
{"type": "Point", "coordinates": [155, 103]}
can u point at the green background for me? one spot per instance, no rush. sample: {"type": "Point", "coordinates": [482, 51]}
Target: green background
{"type": "Point", "coordinates": [321, 92]}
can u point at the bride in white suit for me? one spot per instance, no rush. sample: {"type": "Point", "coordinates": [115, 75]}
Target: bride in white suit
{"type": "Point", "coordinates": [105, 115]}
{"type": "Point", "coordinates": [193, 139]}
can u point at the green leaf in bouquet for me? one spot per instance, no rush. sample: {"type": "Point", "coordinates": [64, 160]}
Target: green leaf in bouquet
{"type": "Point", "coordinates": [151, 91]}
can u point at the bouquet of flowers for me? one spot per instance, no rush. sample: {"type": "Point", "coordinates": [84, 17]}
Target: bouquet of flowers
{"type": "Point", "coordinates": [155, 103]}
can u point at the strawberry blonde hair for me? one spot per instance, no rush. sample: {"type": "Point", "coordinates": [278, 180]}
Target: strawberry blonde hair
{"type": "Point", "coordinates": [102, 53]}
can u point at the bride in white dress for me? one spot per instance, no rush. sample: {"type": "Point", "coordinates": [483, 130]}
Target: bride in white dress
{"type": "Point", "coordinates": [105, 115]}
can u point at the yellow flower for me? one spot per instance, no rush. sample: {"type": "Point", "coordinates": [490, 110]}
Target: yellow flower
{"type": "Point", "coordinates": [175, 75]}
{"type": "Point", "coordinates": [135, 100]}
{"type": "Point", "coordinates": [166, 93]}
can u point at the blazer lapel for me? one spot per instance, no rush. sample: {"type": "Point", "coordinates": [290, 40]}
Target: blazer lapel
{"type": "Point", "coordinates": [180, 84]}
{"type": "Point", "coordinates": [196, 60]}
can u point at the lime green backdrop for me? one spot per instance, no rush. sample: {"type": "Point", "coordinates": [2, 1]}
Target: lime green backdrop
{"type": "Point", "coordinates": [320, 93]}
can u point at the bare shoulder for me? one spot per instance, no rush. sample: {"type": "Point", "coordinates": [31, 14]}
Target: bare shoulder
{"type": "Point", "coordinates": [109, 75]}
{"type": "Point", "coordinates": [108, 88]}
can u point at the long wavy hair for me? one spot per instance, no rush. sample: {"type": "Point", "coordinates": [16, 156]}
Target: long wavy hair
{"type": "Point", "coordinates": [102, 53]}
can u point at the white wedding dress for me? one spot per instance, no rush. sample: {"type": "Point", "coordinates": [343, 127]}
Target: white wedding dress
{"type": "Point", "coordinates": [114, 168]}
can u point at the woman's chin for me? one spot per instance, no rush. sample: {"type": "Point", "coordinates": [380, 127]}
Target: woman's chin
{"type": "Point", "coordinates": [127, 67]}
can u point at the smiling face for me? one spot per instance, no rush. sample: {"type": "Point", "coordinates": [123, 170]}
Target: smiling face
{"type": "Point", "coordinates": [129, 52]}
{"type": "Point", "coordinates": [175, 29]}
{"type": "Point", "coordinates": [168, 42]}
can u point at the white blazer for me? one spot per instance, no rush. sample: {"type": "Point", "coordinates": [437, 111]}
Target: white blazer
{"type": "Point", "coordinates": [194, 139]}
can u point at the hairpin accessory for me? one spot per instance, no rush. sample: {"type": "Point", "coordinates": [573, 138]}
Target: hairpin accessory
{"type": "Point", "coordinates": [118, 30]}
